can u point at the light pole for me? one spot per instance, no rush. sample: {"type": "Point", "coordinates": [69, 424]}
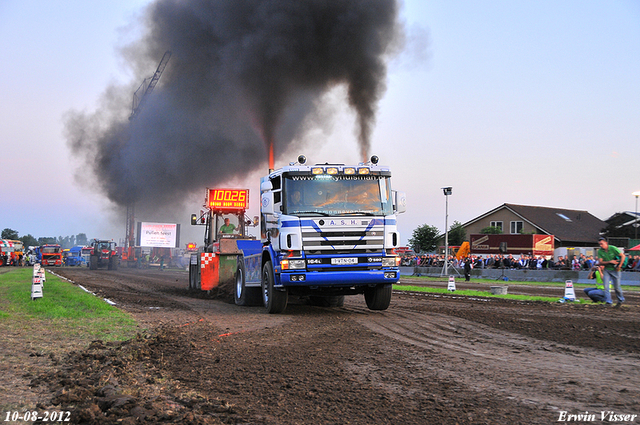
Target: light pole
{"type": "Point", "coordinates": [447, 191]}
{"type": "Point", "coordinates": [635, 224]}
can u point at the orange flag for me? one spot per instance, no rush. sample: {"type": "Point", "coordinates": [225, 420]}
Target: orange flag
{"type": "Point", "coordinates": [463, 251]}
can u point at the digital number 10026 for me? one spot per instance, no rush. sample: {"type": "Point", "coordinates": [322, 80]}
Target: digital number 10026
{"type": "Point", "coordinates": [228, 198]}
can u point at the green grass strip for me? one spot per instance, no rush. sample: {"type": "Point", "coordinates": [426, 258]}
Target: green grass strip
{"type": "Point", "coordinates": [64, 307]}
{"type": "Point", "coordinates": [470, 293]}
{"type": "Point", "coordinates": [511, 282]}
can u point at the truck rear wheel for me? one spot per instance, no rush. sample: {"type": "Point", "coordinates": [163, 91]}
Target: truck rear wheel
{"type": "Point", "coordinates": [243, 295]}
{"type": "Point", "coordinates": [275, 301]}
{"type": "Point", "coordinates": [378, 297]}
{"type": "Point", "coordinates": [93, 263]}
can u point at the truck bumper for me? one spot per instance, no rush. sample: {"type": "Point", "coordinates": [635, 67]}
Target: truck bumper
{"type": "Point", "coordinates": [337, 278]}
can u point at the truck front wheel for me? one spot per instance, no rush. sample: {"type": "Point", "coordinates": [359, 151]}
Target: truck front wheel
{"type": "Point", "coordinates": [93, 263]}
{"type": "Point", "coordinates": [193, 276]}
{"type": "Point", "coordinates": [275, 301]}
{"type": "Point", "coordinates": [378, 297]}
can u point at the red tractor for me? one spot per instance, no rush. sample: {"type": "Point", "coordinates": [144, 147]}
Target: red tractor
{"type": "Point", "coordinates": [103, 253]}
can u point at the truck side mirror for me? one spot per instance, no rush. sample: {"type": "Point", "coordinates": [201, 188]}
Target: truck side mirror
{"type": "Point", "coordinates": [399, 202]}
{"type": "Point", "coordinates": [266, 186]}
{"type": "Point", "coordinates": [194, 219]}
{"type": "Point", "coordinates": [256, 220]}
{"type": "Point", "coordinates": [266, 202]}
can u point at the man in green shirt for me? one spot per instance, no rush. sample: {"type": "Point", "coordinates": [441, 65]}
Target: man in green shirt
{"type": "Point", "coordinates": [227, 227]}
{"type": "Point", "coordinates": [612, 259]}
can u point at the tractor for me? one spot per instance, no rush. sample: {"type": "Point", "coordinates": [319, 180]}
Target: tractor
{"type": "Point", "coordinates": [103, 254]}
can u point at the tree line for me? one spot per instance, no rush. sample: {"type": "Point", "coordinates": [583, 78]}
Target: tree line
{"type": "Point", "coordinates": [30, 240]}
{"type": "Point", "coordinates": [425, 238]}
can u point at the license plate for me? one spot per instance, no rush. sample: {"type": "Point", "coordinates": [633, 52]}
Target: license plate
{"type": "Point", "coordinates": [342, 261]}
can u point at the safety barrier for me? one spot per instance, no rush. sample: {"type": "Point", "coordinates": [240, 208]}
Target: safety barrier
{"type": "Point", "coordinates": [628, 278]}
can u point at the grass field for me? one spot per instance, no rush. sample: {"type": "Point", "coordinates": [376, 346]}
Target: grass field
{"type": "Point", "coordinates": [35, 334]}
{"type": "Point", "coordinates": [469, 293]}
{"type": "Point", "coordinates": [512, 282]}
{"type": "Point", "coordinates": [64, 310]}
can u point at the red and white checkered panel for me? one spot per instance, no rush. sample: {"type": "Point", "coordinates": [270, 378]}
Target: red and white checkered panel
{"type": "Point", "coordinates": [209, 274]}
{"type": "Point", "coordinates": [206, 258]}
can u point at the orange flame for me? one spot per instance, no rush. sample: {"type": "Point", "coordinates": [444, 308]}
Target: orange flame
{"type": "Point", "coordinates": [271, 161]}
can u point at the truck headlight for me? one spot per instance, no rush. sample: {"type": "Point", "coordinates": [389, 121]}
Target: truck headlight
{"type": "Point", "coordinates": [293, 264]}
{"type": "Point", "coordinates": [390, 261]}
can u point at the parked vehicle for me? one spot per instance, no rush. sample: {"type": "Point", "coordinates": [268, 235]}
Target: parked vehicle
{"type": "Point", "coordinates": [11, 252]}
{"type": "Point", "coordinates": [51, 255]}
{"type": "Point", "coordinates": [73, 257]}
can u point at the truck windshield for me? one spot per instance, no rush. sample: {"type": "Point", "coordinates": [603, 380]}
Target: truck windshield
{"type": "Point", "coordinates": [326, 195]}
{"type": "Point", "coordinates": [51, 249]}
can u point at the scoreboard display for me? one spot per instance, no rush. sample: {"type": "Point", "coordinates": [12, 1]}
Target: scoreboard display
{"type": "Point", "coordinates": [228, 199]}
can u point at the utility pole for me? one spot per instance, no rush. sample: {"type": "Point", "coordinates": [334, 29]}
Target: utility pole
{"type": "Point", "coordinates": [447, 191]}
{"type": "Point", "coordinates": [635, 224]}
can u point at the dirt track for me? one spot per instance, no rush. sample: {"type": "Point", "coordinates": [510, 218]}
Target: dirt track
{"type": "Point", "coordinates": [426, 360]}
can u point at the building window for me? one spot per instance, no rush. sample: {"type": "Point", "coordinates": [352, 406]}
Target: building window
{"type": "Point", "coordinates": [497, 224]}
{"type": "Point", "coordinates": [516, 227]}
{"type": "Point", "coordinates": [564, 217]}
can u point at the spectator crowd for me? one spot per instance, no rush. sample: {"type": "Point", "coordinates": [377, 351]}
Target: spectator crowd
{"type": "Point", "coordinates": [528, 262]}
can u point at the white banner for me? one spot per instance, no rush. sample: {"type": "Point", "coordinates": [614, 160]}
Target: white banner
{"type": "Point", "coordinates": [158, 235]}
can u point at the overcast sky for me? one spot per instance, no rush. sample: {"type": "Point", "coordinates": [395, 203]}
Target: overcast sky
{"type": "Point", "coordinates": [534, 103]}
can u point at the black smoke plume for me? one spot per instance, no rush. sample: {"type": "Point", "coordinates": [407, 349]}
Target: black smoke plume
{"type": "Point", "coordinates": [243, 76]}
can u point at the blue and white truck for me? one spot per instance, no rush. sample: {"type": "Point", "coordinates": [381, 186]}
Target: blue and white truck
{"type": "Point", "coordinates": [77, 256]}
{"type": "Point", "coordinates": [327, 230]}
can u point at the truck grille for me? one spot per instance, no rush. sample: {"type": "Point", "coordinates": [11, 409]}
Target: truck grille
{"type": "Point", "coordinates": [343, 240]}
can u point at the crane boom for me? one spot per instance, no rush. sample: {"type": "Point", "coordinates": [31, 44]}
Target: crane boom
{"type": "Point", "coordinates": [147, 86]}
{"type": "Point", "coordinates": [139, 98]}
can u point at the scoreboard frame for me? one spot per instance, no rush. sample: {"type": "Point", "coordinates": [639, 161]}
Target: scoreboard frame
{"type": "Point", "coordinates": [227, 199]}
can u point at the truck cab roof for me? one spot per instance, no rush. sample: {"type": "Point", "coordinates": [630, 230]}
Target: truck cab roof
{"type": "Point", "coordinates": [332, 169]}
